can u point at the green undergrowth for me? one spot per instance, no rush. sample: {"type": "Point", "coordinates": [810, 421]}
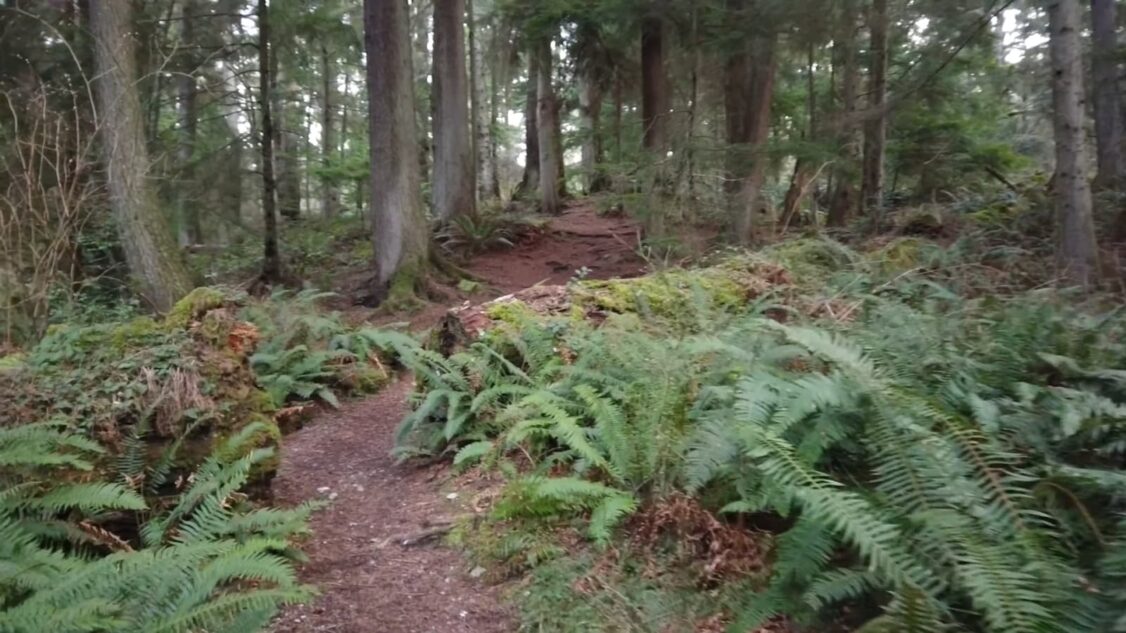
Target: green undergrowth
{"type": "Point", "coordinates": [313, 249]}
{"type": "Point", "coordinates": [135, 456]}
{"type": "Point", "coordinates": [867, 441]}
{"type": "Point", "coordinates": [219, 362]}
{"type": "Point", "coordinates": [202, 558]}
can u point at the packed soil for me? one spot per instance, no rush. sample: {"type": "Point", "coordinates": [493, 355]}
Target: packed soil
{"type": "Point", "coordinates": [369, 580]}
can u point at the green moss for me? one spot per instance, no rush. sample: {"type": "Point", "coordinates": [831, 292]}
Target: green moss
{"type": "Point", "coordinates": [670, 294]}
{"type": "Point", "coordinates": [194, 305]}
{"type": "Point", "coordinates": [402, 292]}
{"type": "Point", "coordinates": [811, 259]}
{"type": "Point", "coordinates": [13, 362]}
{"type": "Point", "coordinates": [511, 312]}
{"type": "Point", "coordinates": [898, 255]}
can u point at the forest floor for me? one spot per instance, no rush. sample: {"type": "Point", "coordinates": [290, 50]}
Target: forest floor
{"type": "Point", "coordinates": [369, 580]}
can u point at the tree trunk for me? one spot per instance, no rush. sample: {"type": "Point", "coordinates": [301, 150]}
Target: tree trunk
{"type": "Point", "coordinates": [271, 259]}
{"type": "Point", "coordinates": [590, 111]}
{"type": "Point", "coordinates": [654, 83]}
{"type": "Point", "coordinates": [453, 189]}
{"type": "Point", "coordinates": [485, 96]}
{"type": "Point", "coordinates": [491, 171]}
{"type": "Point", "coordinates": [1078, 251]}
{"type": "Point", "coordinates": [330, 194]}
{"type": "Point", "coordinates": [146, 237]}
{"type": "Point", "coordinates": [875, 129]}
{"type": "Point", "coordinates": [191, 229]}
{"type": "Point", "coordinates": [736, 74]}
{"type": "Point", "coordinates": [754, 210]}
{"type": "Point", "coordinates": [531, 180]}
{"type": "Point", "coordinates": [400, 233]}
{"type": "Point", "coordinates": [547, 119]}
{"type": "Point", "coordinates": [843, 199]}
{"type": "Point", "coordinates": [420, 21]}
{"type": "Point", "coordinates": [1108, 107]}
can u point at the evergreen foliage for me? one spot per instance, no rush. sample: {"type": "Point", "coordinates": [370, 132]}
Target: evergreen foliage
{"type": "Point", "coordinates": [935, 463]}
{"type": "Point", "coordinates": [207, 561]}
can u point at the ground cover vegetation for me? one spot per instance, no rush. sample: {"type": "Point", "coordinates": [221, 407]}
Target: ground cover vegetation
{"type": "Point", "coordinates": [872, 380]}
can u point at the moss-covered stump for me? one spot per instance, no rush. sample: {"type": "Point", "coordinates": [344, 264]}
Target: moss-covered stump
{"type": "Point", "coordinates": [150, 391]}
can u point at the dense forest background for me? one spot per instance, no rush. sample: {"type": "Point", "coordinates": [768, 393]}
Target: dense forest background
{"type": "Point", "coordinates": [744, 315]}
{"type": "Point", "coordinates": [203, 125]}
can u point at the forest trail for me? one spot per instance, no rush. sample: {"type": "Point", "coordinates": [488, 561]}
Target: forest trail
{"type": "Point", "coordinates": [370, 582]}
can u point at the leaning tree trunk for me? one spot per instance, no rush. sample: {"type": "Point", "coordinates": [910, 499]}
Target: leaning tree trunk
{"type": "Point", "coordinates": [271, 259]}
{"type": "Point", "coordinates": [1108, 107]}
{"type": "Point", "coordinates": [843, 198]}
{"type": "Point", "coordinates": [754, 211]}
{"type": "Point", "coordinates": [453, 188]}
{"type": "Point", "coordinates": [1078, 251]}
{"type": "Point", "coordinates": [330, 194]}
{"type": "Point", "coordinates": [146, 237]}
{"type": "Point", "coordinates": [531, 179]}
{"type": "Point", "coordinates": [875, 129]}
{"type": "Point", "coordinates": [400, 233]}
{"type": "Point", "coordinates": [547, 115]}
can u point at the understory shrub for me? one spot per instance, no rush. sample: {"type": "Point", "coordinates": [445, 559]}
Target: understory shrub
{"type": "Point", "coordinates": [921, 462]}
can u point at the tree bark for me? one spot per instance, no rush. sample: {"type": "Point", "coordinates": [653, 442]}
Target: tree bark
{"type": "Point", "coordinates": [483, 106]}
{"type": "Point", "coordinates": [754, 211]}
{"type": "Point", "coordinates": [191, 228]}
{"type": "Point", "coordinates": [146, 237]}
{"type": "Point", "coordinates": [875, 129]}
{"type": "Point", "coordinates": [547, 123]}
{"type": "Point", "coordinates": [590, 110]}
{"type": "Point", "coordinates": [531, 178]}
{"type": "Point", "coordinates": [1108, 106]}
{"type": "Point", "coordinates": [271, 258]}
{"type": "Point", "coordinates": [843, 198]}
{"type": "Point", "coordinates": [453, 189]}
{"type": "Point", "coordinates": [330, 194]}
{"type": "Point", "coordinates": [1078, 251]}
{"type": "Point", "coordinates": [736, 74]}
{"type": "Point", "coordinates": [400, 233]}
{"type": "Point", "coordinates": [654, 83]}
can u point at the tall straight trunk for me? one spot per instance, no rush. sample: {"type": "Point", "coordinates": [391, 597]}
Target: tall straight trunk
{"type": "Point", "coordinates": [736, 75]}
{"type": "Point", "coordinates": [616, 123]}
{"type": "Point", "coordinates": [531, 180]}
{"type": "Point", "coordinates": [484, 104]}
{"type": "Point", "coordinates": [1078, 251]}
{"type": "Point", "coordinates": [146, 237]}
{"type": "Point", "coordinates": [453, 188]}
{"type": "Point", "coordinates": [654, 83]}
{"type": "Point", "coordinates": [400, 234]}
{"type": "Point", "coordinates": [330, 194]}
{"type": "Point", "coordinates": [271, 259]}
{"type": "Point", "coordinates": [590, 111]}
{"type": "Point", "coordinates": [547, 124]}
{"type": "Point", "coordinates": [191, 229]}
{"type": "Point", "coordinates": [1108, 106]}
{"type": "Point", "coordinates": [420, 20]}
{"type": "Point", "coordinates": [875, 129]}
{"type": "Point", "coordinates": [755, 211]}
{"type": "Point", "coordinates": [491, 170]}
{"type": "Point", "coordinates": [847, 70]}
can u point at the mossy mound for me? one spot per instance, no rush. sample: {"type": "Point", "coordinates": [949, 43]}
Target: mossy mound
{"type": "Point", "coordinates": [180, 385]}
{"type": "Point", "coordinates": [675, 294]}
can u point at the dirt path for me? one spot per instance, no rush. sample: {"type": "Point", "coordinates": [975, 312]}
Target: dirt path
{"type": "Point", "coordinates": [369, 583]}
